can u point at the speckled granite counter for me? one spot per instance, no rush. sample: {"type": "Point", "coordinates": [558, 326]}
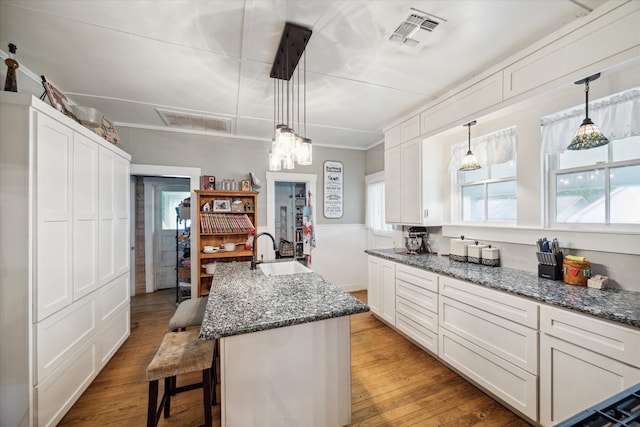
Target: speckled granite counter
{"type": "Point", "coordinates": [616, 305]}
{"type": "Point", "coordinates": [244, 301]}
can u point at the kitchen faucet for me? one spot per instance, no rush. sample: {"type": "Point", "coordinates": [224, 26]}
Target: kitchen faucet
{"type": "Point", "coordinates": [254, 262]}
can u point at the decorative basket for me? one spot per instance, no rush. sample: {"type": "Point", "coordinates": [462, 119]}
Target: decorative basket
{"type": "Point", "coordinates": [576, 272]}
{"type": "Point", "coordinates": [286, 248]}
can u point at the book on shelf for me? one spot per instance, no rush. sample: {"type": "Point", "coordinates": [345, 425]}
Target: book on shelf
{"type": "Point", "coordinates": [225, 223]}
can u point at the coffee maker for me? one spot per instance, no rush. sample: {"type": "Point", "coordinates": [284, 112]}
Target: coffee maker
{"type": "Point", "coordinates": [423, 234]}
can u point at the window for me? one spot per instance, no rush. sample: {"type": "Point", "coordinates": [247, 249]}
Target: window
{"type": "Point", "coordinates": [599, 186]}
{"type": "Point", "coordinates": [170, 202]}
{"type": "Point", "coordinates": [374, 215]}
{"type": "Point", "coordinates": [487, 194]}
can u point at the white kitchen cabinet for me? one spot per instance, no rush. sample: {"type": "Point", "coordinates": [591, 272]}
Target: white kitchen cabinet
{"type": "Point", "coordinates": [61, 318]}
{"type": "Point", "coordinates": [583, 360]}
{"type": "Point", "coordinates": [392, 184]}
{"type": "Point", "coordinates": [417, 306]}
{"type": "Point", "coordinates": [374, 284]}
{"type": "Point", "coordinates": [491, 338]}
{"type": "Point", "coordinates": [412, 183]}
{"type": "Point", "coordinates": [381, 289]}
{"type": "Point", "coordinates": [410, 129]}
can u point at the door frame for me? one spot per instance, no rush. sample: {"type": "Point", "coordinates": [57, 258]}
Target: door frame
{"type": "Point", "coordinates": [309, 179]}
{"type": "Point", "coordinates": [166, 172]}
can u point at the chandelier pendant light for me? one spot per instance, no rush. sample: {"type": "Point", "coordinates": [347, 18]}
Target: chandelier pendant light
{"type": "Point", "coordinates": [588, 134]}
{"type": "Point", "coordinates": [289, 147]}
{"type": "Point", "coordinates": [469, 162]}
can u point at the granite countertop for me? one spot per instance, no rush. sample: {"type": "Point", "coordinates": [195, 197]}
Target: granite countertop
{"type": "Point", "coordinates": [243, 301]}
{"type": "Point", "coordinates": [612, 304]}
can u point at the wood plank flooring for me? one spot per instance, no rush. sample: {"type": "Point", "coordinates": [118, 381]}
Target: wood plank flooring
{"type": "Point", "coordinates": [394, 383]}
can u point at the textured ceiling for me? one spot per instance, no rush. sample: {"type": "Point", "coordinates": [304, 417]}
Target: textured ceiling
{"type": "Point", "coordinates": [127, 58]}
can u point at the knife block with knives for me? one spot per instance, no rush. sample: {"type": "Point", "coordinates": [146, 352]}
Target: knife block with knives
{"type": "Point", "coordinates": [550, 259]}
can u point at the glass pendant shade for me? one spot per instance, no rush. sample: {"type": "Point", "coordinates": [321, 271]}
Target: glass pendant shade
{"type": "Point", "coordinates": [469, 163]}
{"type": "Point", "coordinates": [288, 161]}
{"type": "Point", "coordinates": [275, 164]}
{"type": "Point", "coordinates": [587, 136]}
{"type": "Point", "coordinates": [303, 151]}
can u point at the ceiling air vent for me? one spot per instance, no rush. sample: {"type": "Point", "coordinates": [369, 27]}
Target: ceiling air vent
{"type": "Point", "coordinates": [183, 120]}
{"type": "Point", "coordinates": [417, 20]}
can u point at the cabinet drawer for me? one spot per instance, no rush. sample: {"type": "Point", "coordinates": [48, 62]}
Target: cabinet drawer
{"type": "Point", "coordinates": [614, 341]}
{"type": "Point", "coordinates": [417, 313]}
{"type": "Point", "coordinates": [419, 297]}
{"type": "Point", "coordinates": [113, 296]}
{"type": "Point", "coordinates": [516, 387]}
{"type": "Point", "coordinates": [62, 333]}
{"type": "Point", "coordinates": [510, 341]}
{"type": "Point", "coordinates": [112, 334]}
{"type": "Point", "coordinates": [422, 278]}
{"type": "Point", "coordinates": [55, 396]}
{"type": "Point", "coordinates": [417, 332]}
{"type": "Point", "coordinates": [510, 307]}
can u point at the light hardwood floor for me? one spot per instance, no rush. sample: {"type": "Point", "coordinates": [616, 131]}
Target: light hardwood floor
{"type": "Point", "coordinates": [394, 383]}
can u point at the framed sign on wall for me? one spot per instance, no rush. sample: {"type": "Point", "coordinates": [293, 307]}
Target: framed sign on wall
{"type": "Point", "coordinates": [333, 189]}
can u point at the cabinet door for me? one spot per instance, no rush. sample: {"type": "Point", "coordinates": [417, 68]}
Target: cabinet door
{"type": "Point", "coordinates": [388, 284]}
{"type": "Point", "coordinates": [54, 201]}
{"type": "Point", "coordinates": [121, 244]}
{"type": "Point", "coordinates": [573, 378]}
{"type": "Point", "coordinates": [392, 185]}
{"type": "Point", "coordinates": [114, 215]}
{"type": "Point", "coordinates": [432, 166]}
{"type": "Point", "coordinates": [85, 216]}
{"type": "Point", "coordinates": [373, 284]}
{"type": "Point", "coordinates": [411, 182]}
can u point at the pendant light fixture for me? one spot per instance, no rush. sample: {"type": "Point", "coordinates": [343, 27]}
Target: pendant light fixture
{"type": "Point", "coordinates": [289, 146]}
{"type": "Point", "coordinates": [588, 134]}
{"type": "Point", "coordinates": [469, 162]}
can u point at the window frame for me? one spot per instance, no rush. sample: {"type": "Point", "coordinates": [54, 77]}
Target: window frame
{"type": "Point", "coordinates": [377, 178]}
{"type": "Point", "coordinates": [552, 171]}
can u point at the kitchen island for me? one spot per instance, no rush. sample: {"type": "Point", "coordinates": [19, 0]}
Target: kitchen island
{"type": "Point", "coordinates": [284, 347]}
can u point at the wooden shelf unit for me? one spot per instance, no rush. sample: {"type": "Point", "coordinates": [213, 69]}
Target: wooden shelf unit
{"type": "Point", "coordinates": [249, 208]}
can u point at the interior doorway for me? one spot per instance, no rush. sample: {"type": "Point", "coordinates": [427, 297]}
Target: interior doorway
{"type": "Point", "coordinates": [290, 200]}
{"type": "Point", "coordinates": [287, 183]}
{"type": "Point", "coordinates": [143, 259]}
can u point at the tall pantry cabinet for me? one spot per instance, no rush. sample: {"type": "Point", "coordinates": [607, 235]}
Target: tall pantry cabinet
{"type": "Point", "coordinates": [64, 254]}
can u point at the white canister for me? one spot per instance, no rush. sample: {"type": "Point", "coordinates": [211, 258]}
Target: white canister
{"type": "Point", "coordinates": [491, 256]}
{"type": "Point", "coordinates": [458, 249]}
{"type": "Point", "coordinates": [474, 253]}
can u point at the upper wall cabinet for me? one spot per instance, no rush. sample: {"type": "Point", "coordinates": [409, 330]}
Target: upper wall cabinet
{"type": "Point", "coordinates": [481, 95]}
{"type": "Point", "coordinates": [412, 182]}
{"type": "Point", "coordinates": [584, 51]}
{"type": "Point", "coordinates": [410, 129]}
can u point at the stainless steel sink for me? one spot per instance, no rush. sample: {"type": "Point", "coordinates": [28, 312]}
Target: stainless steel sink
{"type": "Point", "coordinates": [282, 268]}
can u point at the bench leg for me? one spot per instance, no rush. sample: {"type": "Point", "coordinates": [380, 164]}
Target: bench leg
{"type": "Point", "coordinates": [206, 386]}
{"type": "Point", "coordinates": [168, 389]}
{"type": "Point", "coordinates": [153, 403]}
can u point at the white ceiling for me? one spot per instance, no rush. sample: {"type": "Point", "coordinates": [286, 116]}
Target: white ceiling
{"type": "Point", "coordinates": [127, 58]}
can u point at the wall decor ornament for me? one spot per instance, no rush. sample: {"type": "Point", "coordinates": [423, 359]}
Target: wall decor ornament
{"type": "Point", "coordinates": [57, 98]}
{"type": "Point", "coordinates": [11, 81]}
{"type": "Point", "coordinates": [333, 189]}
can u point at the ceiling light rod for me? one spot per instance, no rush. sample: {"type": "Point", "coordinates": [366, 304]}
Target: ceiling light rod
{"type": "Point", "coordinates": [588, 134]}
{"type": "Point", "coordinates": [469, 162]}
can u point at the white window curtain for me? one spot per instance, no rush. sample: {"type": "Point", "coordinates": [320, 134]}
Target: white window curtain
{"type": "Point", "coordinates": [490, 149]}
{"type": "Point", "coordinates": [374, 214]}
{"type": "Point", "coordinates": [617, 116]}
